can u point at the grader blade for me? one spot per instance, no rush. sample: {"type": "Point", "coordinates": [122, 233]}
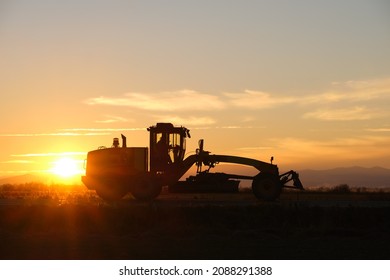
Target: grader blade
{"type": "Point", "coordinates": [291, 176]}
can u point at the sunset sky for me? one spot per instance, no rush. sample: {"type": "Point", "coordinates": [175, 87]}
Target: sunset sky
{"type": "Point", "coordinates": [307, 82]}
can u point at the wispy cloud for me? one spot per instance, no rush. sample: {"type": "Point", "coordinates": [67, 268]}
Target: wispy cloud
{"type": "Point", "coordinates": [383, 129]}
{"type": "Point", "coordinates": [190, 120]}
{"type": "Point", "coordinates": [50, 154]}
{"type": "Point", "coordinates": [254, 148]}
{"type": "Point", "coordinates": [22, 172]}
{"type": "Point", "coordinates": [74, 132]}
{"type": "Point", "coordinates": [104, 131]}
{"type": "Point", "coordinates": [113, 119]}
{"type": "Point", "coordinates": [345, 114]}
{"type": "Point", "coordinates": [18, 161]}
{"type": "Point", "coordinates": [52, 134]}
{"type": "Point", "coordinates": [375, 87]}
{"type": "Point", "coordinates": [256, 99]}
{"type": "Point", "coordinates": [331, 146]}
{"type": "Point", "coordinates": [331, 151]}
{"type": "Point", "coordinates": [352, 91]}
{"type": "Point", "coordinates": [182, 100]}
{"type": "Point", "coordinates": [341, 102]}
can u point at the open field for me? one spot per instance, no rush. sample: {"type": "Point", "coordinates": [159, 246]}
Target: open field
{"type": "Point", "coordinates": [78, 225]}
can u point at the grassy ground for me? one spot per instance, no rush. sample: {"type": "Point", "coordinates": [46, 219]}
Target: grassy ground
{"type": "Point", "coordinates": [150, 231]}
{"type": "Point", "coordinates": [57, 222]}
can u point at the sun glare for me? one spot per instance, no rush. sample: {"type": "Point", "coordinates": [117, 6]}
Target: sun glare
{"type": "Point", "coordinates": [65, 167]}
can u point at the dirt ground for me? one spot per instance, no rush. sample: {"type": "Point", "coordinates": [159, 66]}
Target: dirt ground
{"type": "Point", "coordinates": [196, 227]}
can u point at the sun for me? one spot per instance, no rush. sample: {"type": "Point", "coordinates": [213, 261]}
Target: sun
{"type": "Point", "coordinates": [65, 167]}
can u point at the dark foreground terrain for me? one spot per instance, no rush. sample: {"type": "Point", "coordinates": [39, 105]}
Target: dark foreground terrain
{"type": "Point", "coordinates": [195, 227]}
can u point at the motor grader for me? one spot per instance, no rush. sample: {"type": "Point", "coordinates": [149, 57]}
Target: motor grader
{"type": "Point", "coordinates": [116, 171]}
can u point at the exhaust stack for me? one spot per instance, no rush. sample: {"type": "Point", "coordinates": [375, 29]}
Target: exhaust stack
{"type": "Point", "coordinates": [124, 145]}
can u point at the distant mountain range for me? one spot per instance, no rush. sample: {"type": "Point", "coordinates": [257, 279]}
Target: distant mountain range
{"type": "Point", "coordinates": [353, 176]}
{"type": "Point", "coordinates": [21, 179]}
{"type": "Point", "coordinates": [36, 178]}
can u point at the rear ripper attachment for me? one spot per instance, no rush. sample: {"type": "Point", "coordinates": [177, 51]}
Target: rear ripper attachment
{"type": "Point", "coordinates": [116, 171]}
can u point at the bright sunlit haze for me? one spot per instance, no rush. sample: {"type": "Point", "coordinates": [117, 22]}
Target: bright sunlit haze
{"type": "Point", "coordinates": [306, 82]}
{"type": "Point", "coordinates": [66, 167]}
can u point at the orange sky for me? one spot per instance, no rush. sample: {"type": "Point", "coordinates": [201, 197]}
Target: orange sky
{"type": "Point", "coordinates": [306, 83]}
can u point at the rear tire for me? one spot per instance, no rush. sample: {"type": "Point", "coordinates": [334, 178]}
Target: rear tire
{"type": "Point", "coordinates": [266, 186]}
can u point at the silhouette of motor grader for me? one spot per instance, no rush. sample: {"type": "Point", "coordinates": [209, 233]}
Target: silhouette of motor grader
{"type": "Point", "coordinates": [116, 171]}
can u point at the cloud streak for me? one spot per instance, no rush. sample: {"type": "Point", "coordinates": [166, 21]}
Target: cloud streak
{"type": "Point", "coordinates": [50, 154]}
{"type": "Point", "coordinates": [74, 132]}
{"type": "Point", "coordinates": [52, 134]}
{"type": "Point", "coordinates": [345, 101]}
{"type": "Point", "coordinates": [256, 100]}
{"type": "Point", "coordinates": [188, 120]}
{"type": "Point", "coordinates": [183, 100]}
{"type": "Point", "coordinates": [384, 129]}
{"type": "Point", "coordinates": [345, 114]}
{"type": "Point", "coordinates": [104, 131]}
{"type": "Point", "coordinates": [113, 119]}
{"type": "Point", "coordinates": [338, 150]}
{"type": "Point", "coordinates": [18, 161]}
{"type": "Point", "coordinates": [352, 91]}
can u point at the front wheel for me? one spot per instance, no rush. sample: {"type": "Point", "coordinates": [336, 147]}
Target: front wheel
{"type": "Point", "coordinates": [108, 189]}
{"type": "Point", "coordinates": [108, 194]}
{"type": "Point", "coordinates": [266, 187]}
{"type": "Point", "coordinates": [148, 188]}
